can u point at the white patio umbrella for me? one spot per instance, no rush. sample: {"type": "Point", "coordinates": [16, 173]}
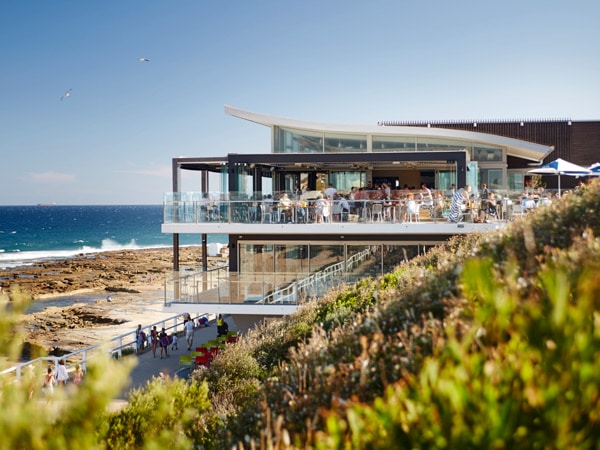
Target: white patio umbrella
{"type": "Point", "coordinates": [595, 170]}
{"type": "Point", "coordinates": [561, 167]}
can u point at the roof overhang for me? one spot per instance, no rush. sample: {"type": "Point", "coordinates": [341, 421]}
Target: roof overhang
{"type": "Point", "coordinates": [514, 147]}
{"type": "Point", "coordinates": [330, 161]}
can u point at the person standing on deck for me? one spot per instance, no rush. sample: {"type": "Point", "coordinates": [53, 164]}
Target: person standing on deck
{"type": "Point", "coordinates": [456, 207]}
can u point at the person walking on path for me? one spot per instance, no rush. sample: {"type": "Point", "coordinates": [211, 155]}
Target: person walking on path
{"type": "Point", "coordinates": [78, 375]}
{"type": "Point", "coordinates": [174, 344]}
{"type": "Point", "coordinates": [48, 383]}
{"type": "Point", "coordinates": [189, 333]}
{"type": "Point", "coordinates": [164, 343]}
{"type": "Point", "coordinates": [154, 337]}
{"type": "Point", "coordinates": [219, 325]}
{"type": "Point", "coordinates": [62, 376]}
{"type": "Point", "coordinates": [140, 338]}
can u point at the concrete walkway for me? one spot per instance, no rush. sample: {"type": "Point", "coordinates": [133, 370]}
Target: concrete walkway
{"type": "Point", "coordinates": [149, 367]}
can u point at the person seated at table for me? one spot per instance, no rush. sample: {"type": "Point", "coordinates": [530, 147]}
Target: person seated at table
{"type": "Point", "coordinates": [528, 203]}
{"type": "Point", "coordinates": [285, 206]}
{"type": "Point", "coordinates": [388, 207]}
{"type": "Point", "coordinates": [412, 207]}
{"type": "Point", "coordinates": [341, 208]}
{"type": "Point", "coordinates": [488, 208]}
{"type": "Point", "coordinates": [426, 197]}
{"type": "Point", "coordinates": [301, 213]}
{"type": "Point", "coordinates": [438, 205]}
{"type": "Point", "coordinates": [546, 199]}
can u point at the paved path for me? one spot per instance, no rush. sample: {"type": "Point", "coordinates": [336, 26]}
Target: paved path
{"type": "Point", "coordinates": [149, 367]}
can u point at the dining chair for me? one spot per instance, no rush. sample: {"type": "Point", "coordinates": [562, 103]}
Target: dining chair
{"type": "Point", "coordinates": [376, 212]}
{"type": "Point", "coordinates": [412, 212]}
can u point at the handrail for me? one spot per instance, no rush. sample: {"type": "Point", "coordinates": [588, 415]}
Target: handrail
{"type": "Point", "coordinates": [123, 341]}
{"type": "Point", "coordinates": [193, 207]}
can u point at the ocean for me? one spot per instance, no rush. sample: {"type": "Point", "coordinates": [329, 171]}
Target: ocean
{"type": "Point", "coordinates": [29, 234]}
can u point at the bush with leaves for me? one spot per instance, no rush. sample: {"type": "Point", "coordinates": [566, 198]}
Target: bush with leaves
{"type": "Point", "coordinates": [72, 417]}
{"type": "Point", "coordinates": [526, 374]}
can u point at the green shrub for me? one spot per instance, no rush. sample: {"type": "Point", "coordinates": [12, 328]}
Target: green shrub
{"type": "Point", "coordinates": [165, 413]}
{"type": "Point", "coordinates": [525, 375]}
{"type": "Point", "coordinates": [72, 417]}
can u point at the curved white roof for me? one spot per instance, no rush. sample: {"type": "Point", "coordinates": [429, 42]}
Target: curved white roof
{"type": "Point", "coordinates": [514, 147]}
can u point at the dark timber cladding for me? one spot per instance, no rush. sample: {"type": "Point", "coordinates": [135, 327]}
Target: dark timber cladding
{"type": "Point", "coordinates": [575, 141]}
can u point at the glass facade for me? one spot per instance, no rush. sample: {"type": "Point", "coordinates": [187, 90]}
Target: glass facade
{"type": "Point", "coordinates": [487, 154]}
{"type": "Point", "coordinates": [428, 144]}
{"type": "Point", "coordinates": [294, 261]}
{"type": "Point", "coordinates": [345, 143]}
{"type": "Point", "coordinates": [297, 141]}
{"type": "Point", "coordinates": [288, 140]}
{"type": "Point", "coordinates": [394, 144]}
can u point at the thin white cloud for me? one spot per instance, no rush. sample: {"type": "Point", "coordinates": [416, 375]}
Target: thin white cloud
{"type": "Point", "coordinates": [49, 177]}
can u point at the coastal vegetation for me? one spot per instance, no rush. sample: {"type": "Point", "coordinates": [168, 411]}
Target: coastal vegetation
{"type": "Point", "coordinates": [489, 341]}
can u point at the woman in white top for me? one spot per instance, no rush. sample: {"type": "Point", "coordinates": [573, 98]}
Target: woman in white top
{"type": "Point", "coordinates": [62, 376]}
{"type": "Point", "coordinates": [322, 209]}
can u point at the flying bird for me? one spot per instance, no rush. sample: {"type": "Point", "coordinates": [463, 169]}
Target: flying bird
{"type": "Point", "coordinates": [143, 59]}
{"type": "Point", "coordinates": [66, 94]}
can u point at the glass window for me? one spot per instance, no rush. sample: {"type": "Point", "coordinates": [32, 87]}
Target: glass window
{"type": "Point", "coordinates": [393, 144]}
{"type": "Point", "coordinates": [516, 181]}
{"type": "Point", "coordinates": [345, 143]}
{"type": "Point", "coordinates": [323, 256]}
{"type": "Point", "coordinates": [487, 154]}
{"type": "Point", "coordinates": [288, 140]}
{"type": "Point", "coordinates": [427, 144]}
{"type": "Point", "coordinates": [344, 181]}
{"type": "Point", "coordinates": [491, 177]}
{"type": "Point", "coordinates": [445, 178]}
{"type": "Point", "coordinates": [393, 255]}
{"type": "Point", "coordinates": [291, 259]}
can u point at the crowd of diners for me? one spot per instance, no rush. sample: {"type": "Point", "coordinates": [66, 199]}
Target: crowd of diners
{"type": "Point", "coordinates": [379, 203]}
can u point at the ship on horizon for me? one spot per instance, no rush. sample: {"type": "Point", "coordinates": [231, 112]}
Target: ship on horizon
{"type": "Point", "coordinates": [46, 204]}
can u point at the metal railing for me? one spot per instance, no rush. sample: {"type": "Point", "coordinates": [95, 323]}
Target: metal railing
{"type": "Point", "coordinates": [220, 287]}
{"type": "Point", "coordinates": [194, 207]}
{"type": "Point", "coordinates": [117, 346]}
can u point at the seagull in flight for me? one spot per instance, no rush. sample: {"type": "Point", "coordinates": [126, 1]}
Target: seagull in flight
{"type": "Point", "coordinates": [66, 94]}
{"type": "Point", "coordinates": [143, 59]}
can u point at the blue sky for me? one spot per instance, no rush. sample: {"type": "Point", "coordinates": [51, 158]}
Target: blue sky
{"type": "Point", "coordinates": [111, 141]}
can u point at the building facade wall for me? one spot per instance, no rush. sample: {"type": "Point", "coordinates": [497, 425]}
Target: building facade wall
{"type": "Point", "coordinates": [585, 143]}
{"type": "Point", "coordinates": [574, 141]}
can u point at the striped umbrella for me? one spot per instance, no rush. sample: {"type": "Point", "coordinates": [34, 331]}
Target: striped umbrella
{"type": "Point", "coordinates": [560, 167]}
{"type": "Point", "coordinates": [595, 170]}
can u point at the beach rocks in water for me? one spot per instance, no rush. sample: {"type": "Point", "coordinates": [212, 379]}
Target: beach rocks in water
{"type": "Point", "coordinates": [46, 329]}
{"type": "Point", "coordinates": [117, 271]}
{"type": "Point", "coordinates": [126, 276]}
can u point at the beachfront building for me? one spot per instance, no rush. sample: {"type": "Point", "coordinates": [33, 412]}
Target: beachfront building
{"type": "Point", "coordinates": [286, 243]}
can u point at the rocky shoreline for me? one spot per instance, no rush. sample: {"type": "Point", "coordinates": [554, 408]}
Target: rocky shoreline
{"type": "Point", "coordinates": [128, 286]}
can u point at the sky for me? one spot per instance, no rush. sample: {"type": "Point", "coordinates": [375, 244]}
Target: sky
{"type": "Point", "coordinates": [112, 139]}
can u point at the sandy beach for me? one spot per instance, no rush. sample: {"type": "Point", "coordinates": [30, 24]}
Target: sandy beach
{"type": "Point", "coordinates": [120, 289]}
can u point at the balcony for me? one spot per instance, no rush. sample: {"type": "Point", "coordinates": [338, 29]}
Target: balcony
{"type": "Point", "coordinates": [264, 293]}
{"type": "Point", "coordinates": [191, 212]}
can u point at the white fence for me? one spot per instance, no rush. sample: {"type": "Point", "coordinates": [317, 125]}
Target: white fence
{"type": "Point", "coordinates": [116, 347]}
